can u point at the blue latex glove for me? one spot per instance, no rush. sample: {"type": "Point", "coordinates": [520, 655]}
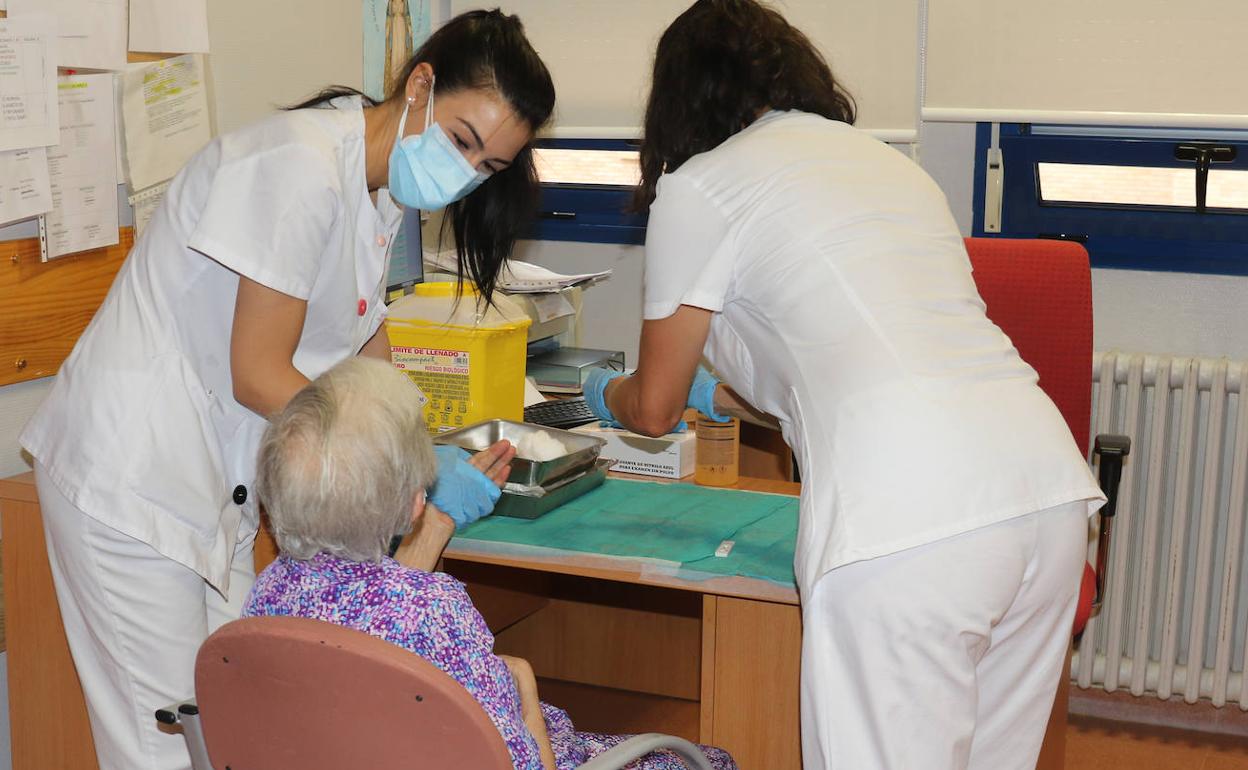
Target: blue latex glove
{"type": "Point", "coordinates": [595, 390]}
{"type": "Point", "coordinates": [702, 394]}
{"type": "Point", "coordinates": [460, 490]}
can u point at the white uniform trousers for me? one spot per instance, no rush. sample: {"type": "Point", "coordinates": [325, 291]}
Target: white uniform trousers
{"type": "Point", "coordinates": [134, 620]}
{"type": "Point", "coordinates": [946, 656]}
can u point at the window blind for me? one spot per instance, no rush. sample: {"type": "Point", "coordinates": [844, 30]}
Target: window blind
{"type": "Point", "coordinates": [1094, 62]}
{"type": "Point", "coordinates": [600, 54]}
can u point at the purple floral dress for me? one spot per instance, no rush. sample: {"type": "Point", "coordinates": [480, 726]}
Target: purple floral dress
{"type": "Point", "coordinates": [432, 615]}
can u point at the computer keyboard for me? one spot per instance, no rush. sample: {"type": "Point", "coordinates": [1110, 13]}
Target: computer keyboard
{"type": "Point", "coordinates": [560, 413]}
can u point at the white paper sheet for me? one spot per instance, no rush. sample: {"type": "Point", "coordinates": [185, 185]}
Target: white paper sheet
{"type": "Point", "coordinates": [166, 117]}
{"type": "Point", "coordinates": [28, 114]}
{"type": "Point", "coordinates": [520, 277]}
{"type": "Point", "coordinates": [169, 26]}
{"type": "Point", "coordinates": [90, 33]}
{"type": "Point", "coordinates": [531, 394]}
{"type": "Point", "coordinates": [83, 171]}
{"type": "Point", "coordinates": [24, 187]}
{"type": "Point", "coordinates": [145, 203]}
{"type": "Point", "coordinates": [524, 277]}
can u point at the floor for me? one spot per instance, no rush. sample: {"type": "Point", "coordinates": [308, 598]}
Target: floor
{"type": "Point", "coordinates": [1091, 743]}
{"type": "Point", "coordinates": [1094, 744]}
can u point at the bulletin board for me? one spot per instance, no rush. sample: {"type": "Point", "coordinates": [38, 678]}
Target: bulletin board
{"type": "Point", "coordinates": [47, 305]}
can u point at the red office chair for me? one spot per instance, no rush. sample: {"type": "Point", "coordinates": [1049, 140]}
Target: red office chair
{"type": "Point", "coordinates": [279, 692]}
{"type": "Point", "coordinates": [1040, 293]}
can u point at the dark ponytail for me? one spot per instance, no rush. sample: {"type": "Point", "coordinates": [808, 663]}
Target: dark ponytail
{"type": "Point", "coordinates": [323, 97]}
{"type": "Point", "coordinates": [484, 50]}
{"type": "Point", "coordinates": [717, 66]}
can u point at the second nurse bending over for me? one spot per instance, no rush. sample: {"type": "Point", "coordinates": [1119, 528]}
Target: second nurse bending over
{"type": "Point", "coordinates": [944, 504]}
{"type": "Point", "coordinates": [264, 266]}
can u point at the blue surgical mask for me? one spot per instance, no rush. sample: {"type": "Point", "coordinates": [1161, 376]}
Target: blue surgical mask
{"type": "Point", "coordinates": [427, 171]}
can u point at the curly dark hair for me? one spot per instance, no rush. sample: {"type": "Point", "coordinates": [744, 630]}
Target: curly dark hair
{"type": "Point", "coordinates": [718, 66]}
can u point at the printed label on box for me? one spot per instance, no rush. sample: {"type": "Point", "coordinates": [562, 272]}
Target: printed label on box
{"type": "Point", "coordinates": [644, 468]}
{"type": "Point", "coordinates": [443, 376]}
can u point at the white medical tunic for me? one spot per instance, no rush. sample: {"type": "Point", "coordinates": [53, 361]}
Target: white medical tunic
{"type": "Point", "coordinates": [844, 306]}
{"type": "Point", "coordinates": [141, 430]}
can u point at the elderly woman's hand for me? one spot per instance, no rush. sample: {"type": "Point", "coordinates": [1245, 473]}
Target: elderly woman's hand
{"type": "Point", "coordinates": [495, 461]}
{"type": "Point", "coordinates": [467, 488]}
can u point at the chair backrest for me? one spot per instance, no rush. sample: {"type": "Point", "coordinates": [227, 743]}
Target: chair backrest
{"type": "Point", "coordinates": [1040, 293]}
{"type": "Point", "coordinates": [277, 692]}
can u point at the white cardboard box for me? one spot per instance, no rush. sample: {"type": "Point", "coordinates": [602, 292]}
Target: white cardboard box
{"type": "Point", "coordinates": [670, 456]}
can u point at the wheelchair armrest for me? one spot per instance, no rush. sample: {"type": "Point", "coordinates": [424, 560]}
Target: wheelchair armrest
{"type": "Point", "coordinates": [1111, 449]}
{"type": "Point", "coordinates": [640, 745]}
{"type": "Point", "coordinates": [174, 713]}
{"type": "Point", "coordinates": [185, 715]}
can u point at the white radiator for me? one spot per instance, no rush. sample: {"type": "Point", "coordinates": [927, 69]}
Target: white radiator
{"type": "Point", "coordinates": [1176, 606]}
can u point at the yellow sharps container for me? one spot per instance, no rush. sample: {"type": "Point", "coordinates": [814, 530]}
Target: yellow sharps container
{"type": "Point", "coordinates": [467, 358]}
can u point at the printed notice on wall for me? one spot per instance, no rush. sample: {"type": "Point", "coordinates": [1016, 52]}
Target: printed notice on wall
{"type": "Point", "coordinates": [24, 187]}
{"type": "Point", "coordinates": [28, 114]}
{"type": "Point", "coordinates": [166, 117]}
{"type": "Point", "coordinates": [82, 170]}
{"type": "Point", "coordinates": [89, 33]}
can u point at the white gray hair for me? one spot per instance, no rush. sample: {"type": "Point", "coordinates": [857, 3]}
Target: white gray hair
{"type": "Point", "coordinates": [340, 467]}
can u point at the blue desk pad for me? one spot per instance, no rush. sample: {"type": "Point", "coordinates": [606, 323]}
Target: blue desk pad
{"type": "Point", "coordinates": [680, 523]}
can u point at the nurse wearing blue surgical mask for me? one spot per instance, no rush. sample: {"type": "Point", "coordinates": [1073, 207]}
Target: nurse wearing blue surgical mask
{"type": "Point", "coordinates": [264, 266]}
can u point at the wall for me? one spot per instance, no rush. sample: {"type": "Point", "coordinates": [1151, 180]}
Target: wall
{"type": "Point", "coordinates": [1134, 310]}
{"type": "Point", "coordinates": [267, 54]}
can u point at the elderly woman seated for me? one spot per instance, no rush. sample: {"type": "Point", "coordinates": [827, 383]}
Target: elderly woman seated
{"type": "Point", "coordinates": [343, 469]}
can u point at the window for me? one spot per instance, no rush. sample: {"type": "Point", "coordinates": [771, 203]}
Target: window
{"type": "Point", "coordinates": [1146, 199]}
{"type": "Point", "coordinates": [587, 186]}
{"type": "Point", "coordinates": [604, 168]}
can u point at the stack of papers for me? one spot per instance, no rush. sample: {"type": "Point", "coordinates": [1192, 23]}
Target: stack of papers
{"type": "Point", "coordinates": [521, 277]}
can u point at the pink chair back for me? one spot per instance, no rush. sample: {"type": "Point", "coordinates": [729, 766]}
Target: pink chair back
{"type": "Point", "coordinates": [278, 692]}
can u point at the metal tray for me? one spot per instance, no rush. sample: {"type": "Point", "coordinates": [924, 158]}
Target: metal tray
{"type": "Point", "coordinates": [583, 449]}
{"type": "Point", "coordinates": [526, 507]}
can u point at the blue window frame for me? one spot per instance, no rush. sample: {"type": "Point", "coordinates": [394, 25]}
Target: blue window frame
{"type": "Point", "coordinates": [1178, 238]}
{"type": "Point", "coordinates": [593, 213]}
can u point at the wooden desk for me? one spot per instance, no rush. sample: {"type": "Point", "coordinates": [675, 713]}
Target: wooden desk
{"type": "Point", "coordinates": [625, 648]}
